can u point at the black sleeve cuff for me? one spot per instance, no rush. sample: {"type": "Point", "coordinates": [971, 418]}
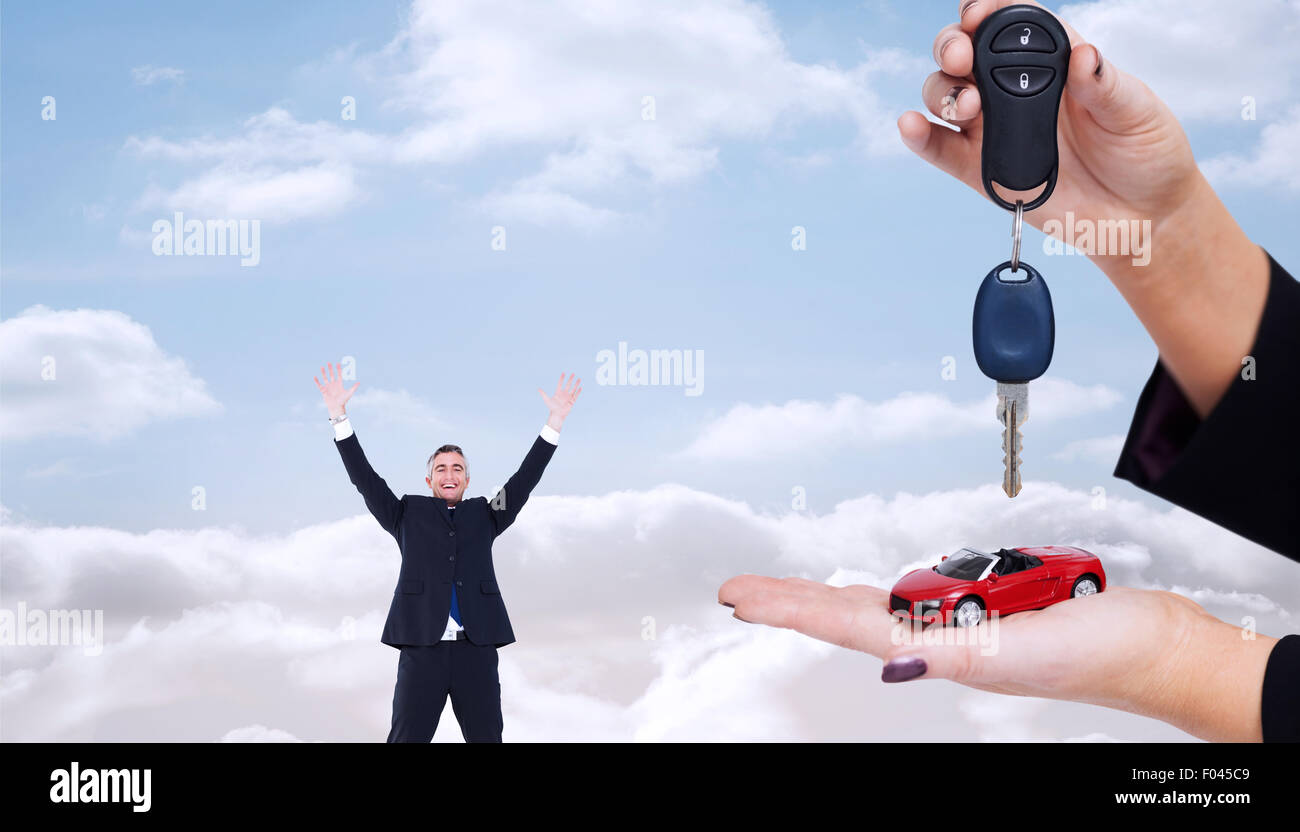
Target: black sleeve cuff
{"type": "Point", "coordinates": [1240, 466]}
{"type": "Point", "coordinates": [1280, 708]}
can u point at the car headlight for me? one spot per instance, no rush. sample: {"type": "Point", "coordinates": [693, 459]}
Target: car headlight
{"type": "Point", "coordinates": [934, 605]}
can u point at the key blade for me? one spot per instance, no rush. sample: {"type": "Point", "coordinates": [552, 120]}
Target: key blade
{"type": "Point", "coordinates": [1011, 445]}
{"type": "Point", "coordinates": [1012, 412]}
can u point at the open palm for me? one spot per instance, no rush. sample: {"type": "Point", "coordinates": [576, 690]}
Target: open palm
{"type": "Point", "coordinates": [561, 401]}
{"type": "Point", "coordinates": [331, 391]}
{"type": "Point", "coordinates": [1115, 648]}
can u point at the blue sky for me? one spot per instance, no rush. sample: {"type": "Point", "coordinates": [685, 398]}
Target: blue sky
{"type": "Point", "coordinates": [402, 276]}
{"type": "Point", "coordinates": [667, 234]}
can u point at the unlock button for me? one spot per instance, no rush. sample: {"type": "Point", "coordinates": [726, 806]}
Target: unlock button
{"type": "Point", "coordinates": [1023, 37]}
{"type": "Point", "coordinates": [1023, 80]}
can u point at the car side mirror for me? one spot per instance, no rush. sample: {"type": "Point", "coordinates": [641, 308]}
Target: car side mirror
{"type": "Point", "coordinates": [993, 578]}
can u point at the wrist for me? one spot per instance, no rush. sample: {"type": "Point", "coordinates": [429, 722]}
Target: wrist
{"type": "Point", "coordinates": [1178, 233]}
{"type": "Point", "coordinates": [1201, 295]}
{"type": "Point", "coordinates": [1212, 681]}
{"type": "Point", "coordinates": [555, 422]}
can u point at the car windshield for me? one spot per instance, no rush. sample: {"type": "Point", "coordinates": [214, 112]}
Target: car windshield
{"type": "Point", "coordinates": [964, 565]}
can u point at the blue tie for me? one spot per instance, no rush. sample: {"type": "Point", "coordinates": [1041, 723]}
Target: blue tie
{"type": "Point", "coordinates": [455, 605]}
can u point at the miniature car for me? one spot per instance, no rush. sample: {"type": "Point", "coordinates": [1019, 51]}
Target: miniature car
{"type": "Point", "coordinates": [968, 584]}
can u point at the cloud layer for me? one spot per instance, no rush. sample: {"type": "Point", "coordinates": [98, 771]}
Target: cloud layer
{"type": "Point", "coordinates": [602, 101]}
{"type": "Point", "coordinates": [216, 634]}
{"type": "Point", "coordinates": [752, 431]}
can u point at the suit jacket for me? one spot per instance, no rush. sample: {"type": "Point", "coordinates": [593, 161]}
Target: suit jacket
{"type": "Point", "coordinates": [442, 548]}
{"type": "Point", "coordinates": [1240, 465]}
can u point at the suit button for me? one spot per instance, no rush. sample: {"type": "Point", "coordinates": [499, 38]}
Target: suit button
{"type": "Point", "coordinates": [458, 583]}
{"type": "Point", "coordinates": [451, 534]}
{"type": "Point", "coordinates": [453, 557]}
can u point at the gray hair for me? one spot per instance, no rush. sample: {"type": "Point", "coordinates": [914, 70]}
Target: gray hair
{"type": "Point", "coordinates": [446, 449]}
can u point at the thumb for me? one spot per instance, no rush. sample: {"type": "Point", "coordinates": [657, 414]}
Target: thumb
{"type": "Point", "coordinates": [1116, 100]}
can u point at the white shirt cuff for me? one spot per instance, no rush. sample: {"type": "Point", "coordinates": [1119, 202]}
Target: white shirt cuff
{"type": "Point", "coordinates": [342, 430]}
{"type": "Point", "coordinates": [550, 434]}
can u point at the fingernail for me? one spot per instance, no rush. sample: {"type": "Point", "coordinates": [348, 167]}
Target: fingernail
{"type": "Point", "coordinates": [965, 7]}
{"type": "Point", "coordinates": [738, 618]}
{"type": "Point", "coordinates": [1097, 71]}
{"type": "Point", "coordinates": [900, 670]}
{"type": "Point", "coordinates": [944, 48]}
{"type": "Point", "coordinates": [948, 106]}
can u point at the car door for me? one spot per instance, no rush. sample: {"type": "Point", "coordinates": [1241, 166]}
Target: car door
{"type": "Point", "coordinates": [1011, 592]}
{"type": "Point", "coordinates": [1042, 583]}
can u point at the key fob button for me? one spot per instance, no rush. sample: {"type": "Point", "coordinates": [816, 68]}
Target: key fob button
{"type": "Point", "coordinates": [1023, 37]}
{"type": "Point", "coordinates": [1023, 81]}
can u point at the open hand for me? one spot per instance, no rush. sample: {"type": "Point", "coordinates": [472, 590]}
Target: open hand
{"type": "Point", "coordinates": [561, 401]}
{"type": "Point", "coordinates": [332, 390]}
{"type": "Point", "coordinates": [1148, 652]}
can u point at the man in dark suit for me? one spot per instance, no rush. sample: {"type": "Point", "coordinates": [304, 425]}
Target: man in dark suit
{"type": "Point", "coordinates": [447, 617]}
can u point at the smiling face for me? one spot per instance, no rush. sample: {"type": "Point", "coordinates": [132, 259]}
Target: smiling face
{"type": "Point", "coordinates": [449, 476]}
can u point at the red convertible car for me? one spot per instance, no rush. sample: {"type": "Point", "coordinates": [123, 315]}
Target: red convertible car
{"type": "Point", "coordinates": [969, 583]}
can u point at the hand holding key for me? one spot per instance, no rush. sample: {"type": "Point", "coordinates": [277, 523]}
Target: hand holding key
{"type": "Point", "coordinates": [1122, 152]}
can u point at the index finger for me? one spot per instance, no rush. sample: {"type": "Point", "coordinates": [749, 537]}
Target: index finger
{"type": "Point", "coordinates": [856, 617]}
{"type": "Point", "coordinates": [972, 13]}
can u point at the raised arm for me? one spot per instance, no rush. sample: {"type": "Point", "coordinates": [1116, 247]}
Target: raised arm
{"type": "Point", "coordinates": [507, 503]}
{"type": "Point", "coordinates": [383, 504]}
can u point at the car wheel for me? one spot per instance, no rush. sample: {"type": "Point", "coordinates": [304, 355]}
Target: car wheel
{"type": "Point", "coordinates": [968, 612]}
{"type": "Point", "coordinates": [1085, 585]}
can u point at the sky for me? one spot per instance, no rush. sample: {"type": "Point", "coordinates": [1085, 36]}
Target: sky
{"type": "Point", "coordinates": [464, 200]}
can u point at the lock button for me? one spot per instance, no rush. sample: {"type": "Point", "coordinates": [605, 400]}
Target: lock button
{"type": "Point", "coordinates": [1023, 37]}
{"type": "Point", "coordinates": [1023, 80]}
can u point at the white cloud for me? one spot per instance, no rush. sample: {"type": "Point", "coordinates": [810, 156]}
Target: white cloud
{"type": "Point", "coordinates": [1102, 449]}
{"type": "Point", "coordinates": [562, 87]}
{"type": "Point", "coordinates": [216, 633]}
{"type": "Point", "coordinates": [66, 468]}
{"type": "Point", "coordinates": [1242, 48]}
{"type": "Point", "coordinates": [259, 733]}
{"type": "Point", "coordinates": [110, 377]}
{"type": "Point", "coordinates": [746, 431]}
{"type": "Point", "coordinates": [148, 75]}
{"type": "Point", "coordinates": [389, 407]}
{"type": "Point", "coordinates": [263, 193]}
{"type": "Point", "coordinates": [1273, 163]}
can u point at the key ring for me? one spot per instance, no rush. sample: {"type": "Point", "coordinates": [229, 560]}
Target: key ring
{"type": "Point", "coordinates": [1016, 226]}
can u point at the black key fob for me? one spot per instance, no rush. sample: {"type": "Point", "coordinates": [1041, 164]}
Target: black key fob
{"type": "Point", "coordinates": [1022, 55]}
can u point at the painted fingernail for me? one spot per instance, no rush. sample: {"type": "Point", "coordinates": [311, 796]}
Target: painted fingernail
{"type": "Point", "coordinates": [900, 670]}
{"type": "Point", "coordinates": [948, 106]}
{"type": "Point", "coordinates": [1097, 71]}
{"type": "Point", "coordinates": [965, 7]}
